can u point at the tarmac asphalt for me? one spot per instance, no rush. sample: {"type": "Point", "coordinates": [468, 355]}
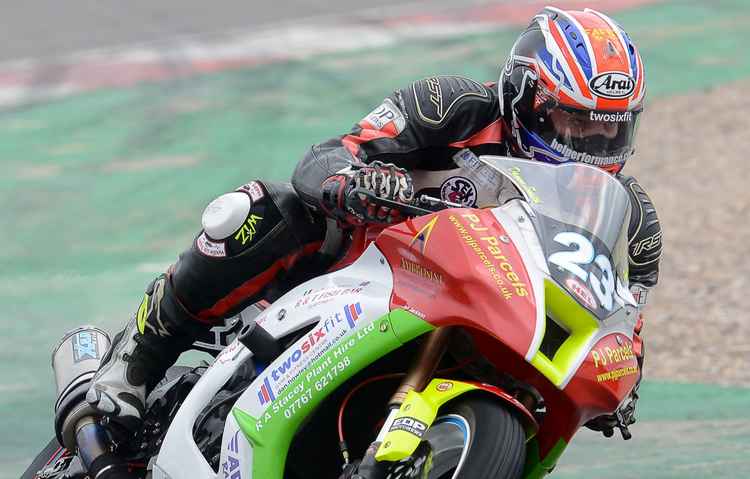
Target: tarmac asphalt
{"type": "Point", "coordinates": [44, 29]}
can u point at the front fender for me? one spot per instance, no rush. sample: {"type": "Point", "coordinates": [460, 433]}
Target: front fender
{"type": "Point", "coordinates": [419, 410]}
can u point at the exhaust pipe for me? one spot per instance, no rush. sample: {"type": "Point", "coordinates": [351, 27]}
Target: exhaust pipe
{"type": "Point", "coordinates": [75, 360]}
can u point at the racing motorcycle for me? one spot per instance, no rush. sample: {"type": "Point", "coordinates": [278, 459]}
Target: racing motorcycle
{"type": "Point", "coordinates": [463, 342]}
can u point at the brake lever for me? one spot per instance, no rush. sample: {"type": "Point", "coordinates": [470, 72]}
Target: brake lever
{"type": "Point", "coordinates": [404, 208]}
{"type": "Point", "coordinates": [432, 201]}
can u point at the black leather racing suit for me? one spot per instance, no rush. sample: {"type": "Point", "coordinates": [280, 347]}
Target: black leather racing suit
{"type": "Point", "coordinates": [430, 128]}
{"type": "Point", "coordinates": [425, 128]}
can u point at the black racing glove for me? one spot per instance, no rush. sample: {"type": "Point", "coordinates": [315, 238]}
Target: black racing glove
{"type": "Point", "coordinates": [621, 419]}
{"type": "Point", "coordinates": [342, 196]}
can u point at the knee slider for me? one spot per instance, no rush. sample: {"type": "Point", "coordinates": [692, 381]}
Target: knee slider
{"type": "Point", "coordinates": [236, 221]}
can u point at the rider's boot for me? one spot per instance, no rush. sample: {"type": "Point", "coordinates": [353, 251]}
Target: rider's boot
{"type": "Point", "coordinates": [141, 353]}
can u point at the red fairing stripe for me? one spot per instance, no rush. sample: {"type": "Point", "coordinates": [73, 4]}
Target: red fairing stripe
{"type": "Point", "coordinates": [492, 133]}
{"type": "Point", "coordinates": [255, 284]}
{"type": "Point", "coordinates": [368, 133]}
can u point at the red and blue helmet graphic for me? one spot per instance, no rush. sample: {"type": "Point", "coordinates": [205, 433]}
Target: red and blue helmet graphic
{"type": "Point", "coordinates": [573, 88]}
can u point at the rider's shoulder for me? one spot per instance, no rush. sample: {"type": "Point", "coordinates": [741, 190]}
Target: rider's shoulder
{"type": "Point", "coordinates": [634, 187]}
{"type": "Point", "coordinates": [438, 100]}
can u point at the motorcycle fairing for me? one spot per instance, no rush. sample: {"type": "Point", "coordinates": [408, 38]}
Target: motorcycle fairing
{"type": "Point", "coordinates": [569, 206]}
{"type": "Point", "coordinates": [560, 241]}
{"type": "Point", "coordinates": [331, 302]}
{"type": "Point", "coordinates": [338, 303]}
{"type": "Point", "coordinates": [460, 267]}
{"type": "Point", "coordinates": [536, 466]}
{"type": "Point", "coordinates": [179, 456]}
{"type": "Point", "coordinates": [519, 219]}
{"type": "Point", "coordinates": [270, 433]}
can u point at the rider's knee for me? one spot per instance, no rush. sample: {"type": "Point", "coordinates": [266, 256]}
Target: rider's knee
{"type": "Point", "coordinates": [255, 213]}
{"type": "Point", "coordinates": [248, 236]}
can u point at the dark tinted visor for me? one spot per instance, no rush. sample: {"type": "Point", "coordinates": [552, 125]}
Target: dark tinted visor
{"type": "Point", "coordinates": [600, 138]}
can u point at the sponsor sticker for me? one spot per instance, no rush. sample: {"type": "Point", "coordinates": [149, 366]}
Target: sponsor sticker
{"type": "Point", "coordinates": [314, 297]}
{"type": "Point", "coordinates": [294, 360]}
{"type": "Point", "coordinates": [612, 85]}
{"type": "Point", "coordinates": [527, 188]}
{"type": "Point", "coordinates": [612, 117]}
{"type": "Point", "coordinates": [640, 293]}
{"type": "Point", "coordinates": [582, 292]}
{"type": "Point", "coordinates": [229, 353]}
{"type": "Point", "coordinates": [266, 395]}
{"type": "Point", "coordinates": [409, 424]}
{"type": "Point", "coordinates": [617, 374]}
{"type": "Point", "coordinates": [210, 248]}
{"type": "Point", "coordinates": [85, 346]}
{"type": "Point", "coordinates": [317, 380]}
{"type": "Point", "coordinates": [601, 34]}
{"type": "Point", "coordinates": [231, 467]}
{"type": "Point", "coordinates": [460, 190]}
{"type": "Point", "coordinates": [419, 270]}
{"type": "Point", "coordinates": [606, 356]}
{"type": "Point", "coordinates": [416, 312]}
{"type": "Point", "coordinates": [570, 154]}
{"type": "Point", "coordinates": [254, 190]}
{"type": "Point", "coordinates": [422, 236]}
{"type": "Point", "coordinates": [485, 176]}
{"type": "Point", "coordinates": [385, 114]}
{"type": "Point", "coordinates": [492, 256]}
{"type": "Point", "coordinates": [444, 386]}
{"type": "Point", "coordinates": [249, 228]}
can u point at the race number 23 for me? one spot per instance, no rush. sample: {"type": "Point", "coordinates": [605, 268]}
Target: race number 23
{"type": "Point", "coordinates": [604, 286]}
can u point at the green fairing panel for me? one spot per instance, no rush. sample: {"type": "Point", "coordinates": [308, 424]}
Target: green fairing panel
{"type": "Point", "coordinates": [537, 467]}
{"type": "Point", "coordinates": [273, 432]}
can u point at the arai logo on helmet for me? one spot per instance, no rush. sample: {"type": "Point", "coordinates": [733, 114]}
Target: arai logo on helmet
{"type": "Point", "coordinates": [612, 85]}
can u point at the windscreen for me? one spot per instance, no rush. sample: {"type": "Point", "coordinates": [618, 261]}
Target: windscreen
{"type": "Point", "coordinates": [581, 214]}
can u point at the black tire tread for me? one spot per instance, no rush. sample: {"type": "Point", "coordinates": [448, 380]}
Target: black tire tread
{"type": "Point", "coordinates": [498, 441]}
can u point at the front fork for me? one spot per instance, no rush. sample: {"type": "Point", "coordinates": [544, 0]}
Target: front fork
{"type": "Point", "coordinates": [415, 404]}
{"type": "Point", "coordinates": [386, 447]}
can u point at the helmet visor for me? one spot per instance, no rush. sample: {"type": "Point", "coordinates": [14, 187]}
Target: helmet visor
{"type": "Point", "coordinates": [597, 137]}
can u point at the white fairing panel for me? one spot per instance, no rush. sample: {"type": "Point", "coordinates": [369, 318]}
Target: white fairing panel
{"type": "Point", "coordinates": [517, 224]}
{"type": "Point", "coordinates": [338, 303]}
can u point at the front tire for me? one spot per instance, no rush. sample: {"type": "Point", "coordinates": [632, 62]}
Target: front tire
{"type": "Point", "coordinates": [474, 438]}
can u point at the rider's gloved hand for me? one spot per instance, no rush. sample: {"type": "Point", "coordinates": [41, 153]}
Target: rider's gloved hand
{"type": "Point", "coordinates": [621, 419]}
{"type": "Point", "coordinates": [343, 200]}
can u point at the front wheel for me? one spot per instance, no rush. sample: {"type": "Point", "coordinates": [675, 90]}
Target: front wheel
{"type": "Point", "coordinates": [474, 438]}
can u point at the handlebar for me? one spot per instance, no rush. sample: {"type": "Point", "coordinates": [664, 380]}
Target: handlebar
{"type": "Point", "coordinates": [416, 208]}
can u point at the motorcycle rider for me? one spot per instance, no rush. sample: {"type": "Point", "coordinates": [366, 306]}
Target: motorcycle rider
{"type": "Point", "coordinates": [572, 89]}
